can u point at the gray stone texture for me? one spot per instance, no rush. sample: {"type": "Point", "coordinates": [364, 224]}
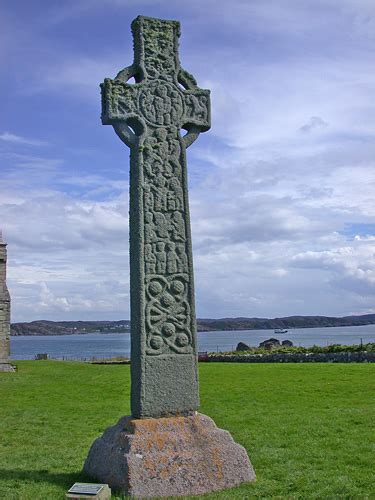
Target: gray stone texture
{"type": "Point", "coordinates": [241, 346]}
{"type": "Point", "coordinates": [270, 344]}
{"type": "Point", "coordinates": [148, 116]}
{"type": "Point", "coordinates": [5, 366]}
{"type": "Point", "coordinates": [173, 456]}
{"type": "Point", "coordinates": [287, 343]}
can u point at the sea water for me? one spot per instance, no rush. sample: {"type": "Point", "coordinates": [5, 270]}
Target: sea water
{"type": "Point", "coordinates": [109, 345]}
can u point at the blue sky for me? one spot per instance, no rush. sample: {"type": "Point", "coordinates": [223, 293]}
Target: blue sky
{"type": "Point", "coordinates": [281, 188]}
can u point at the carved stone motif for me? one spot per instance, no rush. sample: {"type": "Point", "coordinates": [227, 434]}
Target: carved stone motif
{"type": "Point", "coordinates": [161, 104]}
{"type": "Point", "coordinates": [164, 232]}
{"type": "Point", "coordinates": [148, 116]}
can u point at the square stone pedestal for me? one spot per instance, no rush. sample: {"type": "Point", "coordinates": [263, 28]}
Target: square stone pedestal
{"type": "Point", "coordinates": [172, 456]}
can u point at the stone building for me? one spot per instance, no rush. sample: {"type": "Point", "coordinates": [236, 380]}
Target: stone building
{"type": "Point", "coordinates": [4, 311]}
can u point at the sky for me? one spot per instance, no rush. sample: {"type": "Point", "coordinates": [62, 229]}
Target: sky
{"type": "Point", "coordinates": [281, 188]}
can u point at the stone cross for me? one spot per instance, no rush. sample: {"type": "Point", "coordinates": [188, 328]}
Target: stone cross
{"type": "Point", "coordinates": [182, 453]}
{"type": "Point", "coordinates": [148, 116]}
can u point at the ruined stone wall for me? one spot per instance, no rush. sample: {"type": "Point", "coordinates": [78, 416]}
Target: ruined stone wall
{"type": "Point", "coordinates": [297, 357]}
{"type": "Point", "coordinates": [4, 307]}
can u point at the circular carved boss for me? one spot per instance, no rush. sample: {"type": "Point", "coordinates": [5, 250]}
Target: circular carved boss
{"type": "Point", "coordinates": [161, 103]}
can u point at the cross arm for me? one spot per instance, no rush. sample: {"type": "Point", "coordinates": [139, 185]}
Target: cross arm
{"type": "Point", "coordinates": [119, 106]}
{"type": "Point", "coordinates": [197, 108]}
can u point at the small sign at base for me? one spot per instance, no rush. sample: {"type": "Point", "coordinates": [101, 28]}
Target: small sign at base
{"type": "Point", "coordinates": [89, 490]}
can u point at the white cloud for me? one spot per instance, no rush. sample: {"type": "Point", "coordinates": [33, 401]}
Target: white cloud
{"type": "Point", "coordinates": [67, 258]}
{"type": "Point", "coordinates": [17, 139]}
{"type": "Point", "coordinates": [356, 262]}
{"type": "Point", "coordinates": [78, 77]}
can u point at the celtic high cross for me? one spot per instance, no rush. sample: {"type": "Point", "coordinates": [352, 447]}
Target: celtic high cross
{"type": "Point", "coordinates": [148, 116]}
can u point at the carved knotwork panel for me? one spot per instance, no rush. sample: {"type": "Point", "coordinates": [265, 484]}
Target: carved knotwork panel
{"type": "Point", "coordinates": [197, 108]}
{"type": "Point", "coordinates": [166, 256]}
{"type": "Point", "coordinates": [119, 101]}
{"type": "Point", "coordinates": [159, 48]}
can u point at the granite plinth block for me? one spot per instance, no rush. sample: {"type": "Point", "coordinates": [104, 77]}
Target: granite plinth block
{"type": "Point", "coordinates": [171, 456]}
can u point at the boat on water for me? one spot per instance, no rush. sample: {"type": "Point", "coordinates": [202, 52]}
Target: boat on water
{"type": "Point", "coordinates": [280, 330]}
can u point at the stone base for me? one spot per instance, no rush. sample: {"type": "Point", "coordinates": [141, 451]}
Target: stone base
{"type": "Point", "coordinates": [7, 367]}
{"type": "Point", "coordinates": [172, 456]}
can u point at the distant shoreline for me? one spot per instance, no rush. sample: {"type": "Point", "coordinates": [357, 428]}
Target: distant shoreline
{"type": "Point", "coordinates": [52, 328]}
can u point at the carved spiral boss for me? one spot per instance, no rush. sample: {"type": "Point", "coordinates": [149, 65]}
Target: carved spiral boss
{"type": "Point", "coordinates": [148, 116]}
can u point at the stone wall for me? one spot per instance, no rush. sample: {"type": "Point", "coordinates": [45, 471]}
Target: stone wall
{"type": "Point", "coordinates": [4, 350]}
{"type": "Point", "coordinates": [300, 357]}
{"type": "Point", "coordinates": [4, 306]}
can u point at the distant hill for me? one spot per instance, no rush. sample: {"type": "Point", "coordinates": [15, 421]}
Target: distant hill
{"type": "Point", "coordinates": [288, 322]}
{"type": "Point", "coordinates": [44, 327]}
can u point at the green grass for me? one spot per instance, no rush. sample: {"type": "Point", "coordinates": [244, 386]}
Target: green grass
{"type": "Point", "coordinates": [308, 428]}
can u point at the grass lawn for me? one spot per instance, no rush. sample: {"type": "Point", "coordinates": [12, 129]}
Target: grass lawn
{"type": "Point", "coordinates": [308, 428]}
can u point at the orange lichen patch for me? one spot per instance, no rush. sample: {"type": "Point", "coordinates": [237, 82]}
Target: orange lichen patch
{"type": "Point", "coordinates": [218, 461]}
{"type": "Point", "coordinates": [154, 424]}
{"type": "Point", "coordinates": [164, 471]}
{"type": "Point", "coordinates": [145, 425]}
{"type": "Point", "coordinates": [150, 466]}
{"type": "Point", "coordinates": [174, 467]}
{"type": "Point", "coordinates": [159, 440]}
